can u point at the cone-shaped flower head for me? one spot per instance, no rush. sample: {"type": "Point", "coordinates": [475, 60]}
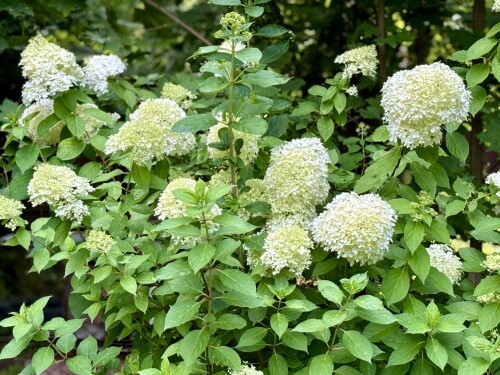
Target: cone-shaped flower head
{"type": "Point", "coordinates": [99, 241]}
{"type": "Point", "coordinates": [149, 133]}
{"type": "Point", "coordinates": [10, 209]}
{"type": "Point", "coordinates": [287, 248]}
{"type": "Point", "coordinates": [49, 69]}
{"type": "Point", "coordinates": [297, 176]}
{"type": "Point", "coordinates": [361, 60]}
{"type": "Point", "coordinates": [178, 94]}
{"type": "Point", "coordinates": [61, 188]}
{"type": "Point", "coordinates": [357, 227]}
{"type": "Point", "coordinates": [34, 115]}
{"type": "Point", "coordinates": [442, 258]}
{"type": "Point", "coordinates": [98, 69]}
{"type": "Point", "coordinates": [417, 102]}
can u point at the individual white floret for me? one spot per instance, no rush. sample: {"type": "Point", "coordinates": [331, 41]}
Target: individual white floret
{"type": "Point", "coordinates": [98, 69]}
{"type": "Point", "coordinates": [443, 259]}
{"type": "Point", "coordinates": [358, 228]}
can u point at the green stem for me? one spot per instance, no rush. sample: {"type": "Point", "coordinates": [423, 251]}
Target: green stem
{"type": "Point", "coordinates": [208, 286]}
{"type": "Point", "coordinates": [337, 327]}
{"type": "Point", "coordinates": [231, 119]}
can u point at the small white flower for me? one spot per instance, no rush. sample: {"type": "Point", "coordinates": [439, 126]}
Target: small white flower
{"type": "Point", "coordinates": [98, 69]}
{"type": "Point", "coordinates": [443, 259]}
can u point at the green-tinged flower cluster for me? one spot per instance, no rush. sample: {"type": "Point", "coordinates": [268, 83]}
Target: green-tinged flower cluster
{"type": "Point", "coordinates": [358, 228]}
{"type": "Point", "coordinates": [248, 151]}
{"type": "Point", "coordinates": [442, 258]}
{"type": "Point", "coordinates": [491, 297]}
{"type": "Point", "coordinates": [49, 69]}
{"type": "Point", "coordinates": [361, 60]}
{"type": "Point", "coordinates": [34, 115]}
{"type": "Point", "coordinates": [297, 176]}
{"type": "Point", "coordinates": [10, 209]}
{"type": "Point", "coordinates": [92, 124]}
{"type": "Point", "coordinates": [99, 241]}
{"type": "Point", "coordinates": [303, 219]}
{"type": "Point", "coordinates": [258, 191]}
{"type": "Point", "coordinates": [492, 262]}
{"type": "Point", "coordinates": [423, 208]}
{"type": "Point", "coordinates": [61, 188]}
{"type": "Point", "coordinates": [287, 248]}
{"type": "Point", "coordinates": [233, 21]}
{"type": "Point", "coordinates": [148, 134]}
{"type": "Point", "coordinates": [417, 102]}
{"type": "Point", "coordinates": [182, 96]}
{"type": "Point", "coordinates": [246, 370]}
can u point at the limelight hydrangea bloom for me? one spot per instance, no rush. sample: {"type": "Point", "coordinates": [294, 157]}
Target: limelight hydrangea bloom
{"type": "Point", "coordinates": [49, 69]}
{"type": "Point", "coordinates": [99, 241]}
{"type": "Point", "coordinates": [417, 102]}
{"type": "Point", "coordinates": [178, 94]}
{"type": "Point", "coordinates": [149, 133]}
{"type": "Point", "coordinates": [246, 370]}
{"type": "Point", "coordinates": [443, 259]}
{"type": "Point", "coordinates": [248, 151]}
{"type": "Point", "coordinates": [10, 209]}
{"type": "Point", "coordinates": [357, 227]}
{"type": "Point", "coordinates": [41, 110]}
{"type": "Point", "coordinates": [492, 297]}
{"type": "Point", "coordinates": [98, 69]}
{"type": "Point", "coordinates": [496, 6]}
{"type": "Point", "coordinates": [297, 176]}
{"type": "Point", "coordinates": [92, 125]}
{"type": "Point", "coordinates": [289, 248]}
{"type": "Point", "coordinates": [492, 262]}
{"type": "Point", "coordinates": [494, 179]}
{"type": "Point", "coordinates": [362, 60]}
{"type": "Point", "coordinates": [61, 188]}
{"type": "Point", "coordinates": [221, 178]}
{"type": "Point", "coordinates": [302, 219]}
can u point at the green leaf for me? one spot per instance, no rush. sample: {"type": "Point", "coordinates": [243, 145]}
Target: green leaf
{"type": "Point", "coordinates": [419, 262]}
{"type": "Point", "coordinates": [232, 224]}
{"type": "Point", "coordinates": [15, 347]}
{"type": "Point", "coordinates": [76, 125]}
{"type": "Point", "coordinates": [216, 192]}
{"type": "Point", "coordinates": [454, 207]}
{"type": "Point", "coordinates": [404, 353]}
{"type": "Point", "coordinates": [436, 353]}
{"type": "Point", "coordinates": [79, 365]}
{"type": "Point", "coordinates": [325, 127]}
{"type": "Point", "coordinates": [424, 178]}
{"type": "Point", "coordinates": [252, 336]}
{"type": "Point", "coordinates": [200, 255]}
{"type": "Point", "coordinates": [451, 323]}
{"type": "Point", "coordinates": [40, 259]}
{"type": "Point", "coordinates": [181, 312]}
{"type": "Point", "coordinates": [234, 298]}
{"type": "Point", "coordinates": [129, 284]}
{"type": "Point", "coordinates": [474, 366]}
{"type": "Point", "coordinates": [321, 365]}
{"type": "Point", "coordinates": [358, 345]}
{"type": "Point", "coordinates": [330, 291]}
{"type": "Point", "coordinates": [248, 55]}
{"type": "Point", "coordinates": [272, 31]}
{"type": "Point", "coordinates": [185, 231]}
{"type": "Point", "coordinates": [274, 52]}
{"type": "Point", "coordinates": [108, 354]}
{"type": "Point", "coordinates": [402, 206]}
{"type": "Point", "coordinates": [457, 145]}
{"type": "Point", "coordinates": [279, 323]}
{"type": "Point", "coordinates": [478, 99]}
{"type": "Point", "coordinates": [230, 322]}
{"type": "Point", "coordinates": [194, 123]}
{"type": "Point", "coordinates": [193, 345]}
{"type": "Point", "coordinates": [495, 67]}
{"type": "Point", "coordinates": [477, 74]}
{"type": "Point", "coordinates": [66, 343]}
{"type": "Point", "coordinates": [480, 48]}
{"type": "Point", "coordinates": [310, 325]}
{"type": "Point", "coordinates": [473, 259]}
{"type": "Point", "coordinates": [295, 340]}
{"type": "Point", "coordinates": [278, 365]}
{"type": "Point", "coordinates": [225, 2]}
{"type": "Point", "coordinates": [69, 326]}
{"type": "Point", "coordinates": [413, 234]}
{"type": "Point", "coordinates": [224, 355]}
{"type": "Point", "coordinates": [339, 101]}
{"type": "Point", "coordinates": [238, 281]}
{"type": "Point", "coordinates": [395, 285]}
{"type": "Point", "coordinates": [141, 175]}
{"type": "Point", "coordinates": [60, 109]}
{"type": "Point", "coordinates": [87, 348]}
{"type": "Point", "coordinates": [23, 237]}
{"type": "Point", "coordinates": [439, 281]}
{"type": "Point", "coordinates": [130, 98]}
{"type": "Point", "coordinates": [369, 302]}
{"type": "Point", "coordinates": [438, 232]}
{"type": "Point", "coordinates": [212, 85]}
{"type": "Point", "coordinates": [254, 11]}
{"type": "Point", "coordinates": [61, 232]}
{"type": "Point", "coordinates": [265, 78]}
{"type": "Point", "coordinates": [251, 125]}
{"type": "Point", "coordinates": [42, 359]}
{"type": "Point", "coordinates": [334, 317]}
{"type": "Point", "coordinates": [26, 156]}
{"type": "Point", "coordinates": [489, 316]}
{"type": "Point", "coordinates": [70, 148]}
{"type": "Point", "coordinates": [422, 367]}
{"type": "Point", "coordinates": [99, 115]}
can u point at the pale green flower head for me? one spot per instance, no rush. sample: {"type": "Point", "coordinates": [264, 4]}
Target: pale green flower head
{"type": "Point", "coordinates": [148, 134]}
{"type": "Point", "coordinates": [233, 21]}
{"type": "Point", "coordinates": [246, 370]}
{"type": "Point", "coordinates": [361, 60]}
{"type": "Point", "coordinates": [40, 111]}
{"type": "Point", "coordinates": [417, 102]}
{"type": "Point", "coordinates": [443, 259]}
{"type": "Point", "coordinates": [491, 297]}
{"type": "Point", "coordinates": [61, 188]}
{"type": "Point", "coordinates": [99, 241]}
{"type": "Point", "coordinates": [182, 96]}
{"type": "Point", "coordinates": [287, 250]}
{"type": "Point", "coordinates": [49, 69]}
{"type": "Point", "coordinates": [492, 262]}
{"type": "Point", "coordinates": [10, 209]}
{"type": "Point", "coordinates": [358, 228]}
{"type": "Point", "coordinates": [297, 176]}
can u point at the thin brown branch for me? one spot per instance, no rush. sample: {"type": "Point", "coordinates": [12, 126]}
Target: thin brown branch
{"type": "Point", "coordinates": [178, 21]}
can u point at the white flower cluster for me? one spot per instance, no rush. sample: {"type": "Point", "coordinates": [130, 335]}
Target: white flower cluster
{"type": "Point", "coordinates": [496, 6]}
{"type": "Point", "coordinates": [297, 176]}
{"type": "Point", "coordinates": [49, 69]}
{"type": "Point", "coordinates": [222, 177]}
{"type": "Point", "coordinates": [34, 115]}
{"type": "Point", "coordinates": [178, 94]}
{"type": "Point", "coordinates": [443, 259]}
{"type": "Point", "coordinates": [288, 247]}
{"type": "Point", "coordinates": [352, 91]}
{"type": "Point", "coordinates": [10, 209]}
{"type": "Point", "coordinates": [303, 219]}
{"type": "Point", "coordinates": [149, 133]}
{"type": "Point", "coordinates": [92, 124]}
{"type": "Point", "coordinates": [99, 241]}
{"type": "Point", "coordinates": [492, 262]}
{"type": "Point", "coordinates": [246, 370]}
{"type": "Point", "coordinates": [494, 178]}
{"type": "Point", "coordinates": [362, 60]}
{"type": "Point", "coordinates": [248, 151]}
{"type": "Point", "coordinates": [492, 297]}
{"type": "Point", "coordinates": [357, 227]}
{"type": "Point", "coordinates": [417, 102]}
{"type": "Point", "coordinates": [98, 69]}
{"type": "Point", "coordinates": [61, 188]}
